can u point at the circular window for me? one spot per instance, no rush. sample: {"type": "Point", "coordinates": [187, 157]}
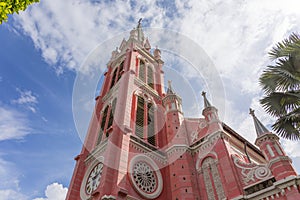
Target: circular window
{"type": "Point", "coordinates": [145, 176]}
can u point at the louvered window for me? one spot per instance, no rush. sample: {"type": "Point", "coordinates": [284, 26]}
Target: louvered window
{"type": "Point", "coordinates": [150, 77]}
{"type": "Point", "coordinates": [139, 124]}
{"type": "Point", "coordinates": [111, 115]}
{"type": "Point", "coordinates": [145, 122]}
{"type": "Point", "coordinates": [120, 70]}
{"type": "Point", "coordinates": [106, 117]}
{"type": "Point", "coordinates": [102, 125]}
{"type": "Point", "coordinates": [114, 78]}
{"type": "Point", "coordinates": [150, 124]}
{"type": "Point", "coordinates": [142, 71]}
{"type": "Point", "coordinates": [146, 74]}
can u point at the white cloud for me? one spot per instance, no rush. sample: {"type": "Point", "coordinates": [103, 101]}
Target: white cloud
{"type": "Point", "coordinates": [13, 124]}
{"type": "Point", "coordinates": [8, 175]}
{"type": "Point", "coordinates": [9, 184]}
{"type": "Point", "coordinates": [66, 31]}
{"type": "Point", "coordinates": [54, 191]}
{"type": "Point", "coordinates": [291, 147]}
{"type": "Point", "coordinates": [11, 195]}
{"type": "Point", "coordinates": [27, 99]}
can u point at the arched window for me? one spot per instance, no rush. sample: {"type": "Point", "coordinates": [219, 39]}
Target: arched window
{"type": "Point", "coordinates": [212, 179]}
{"type": "Point", "coordinates": [139, 122]}
{"type": "Point", "coordinates": [113, 78]}
{"type": "Point", "coordinates": [150, 124]}
{"type": "Point", "coordinates": [145, 121]}
{"type": "Point", "coordinates": [146, 74]}
{"type": "Point", "coordinates": [117, 74]}
{"type": "Point", "coordinates": [107, 118]}
{"type": "Point", "coordinates": [111, 115]}
{"type": "Point", "coordinates": [121, 68]}
{"type": "Point", "coordinates": [142, 71]}
{"type": "Point", "coordinates": [150, 80]}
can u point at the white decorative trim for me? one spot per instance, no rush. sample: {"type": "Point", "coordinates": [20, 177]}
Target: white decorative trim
{"type": "Point", "coordinates": [99, 149]}
{"type": "Point", "coordinates": [153, 154]}
{"type": "Point", "coordinates": [108, 197]}
{"type": "Point", "coordinates": [159, 185]}
{"type": "Point", "coordinates": [251, 171]}
{"type": "Point", "coordinates": [110, 95]}
{"type": "Point", "coordinates": [194, 136]}
{"type": "Point", "coordinates": [270, 150]}
{"type": "Point", "coordinates": [211, 175]}
{"type": "Point", "coordinates": [278, 149]}
{"type": "Point", "coordinates": [146, 88]}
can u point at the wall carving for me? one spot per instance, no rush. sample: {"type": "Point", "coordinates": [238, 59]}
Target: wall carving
{"type": "Point", "coordinates": [251, 171]}
{"type": "Point", "coordinates": [209, 166]}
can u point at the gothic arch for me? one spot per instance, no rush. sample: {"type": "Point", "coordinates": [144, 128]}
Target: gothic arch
{"type": "Point", "coordinates": [212, 179]}
{"type": "Point", "coordinates": [144, 117]}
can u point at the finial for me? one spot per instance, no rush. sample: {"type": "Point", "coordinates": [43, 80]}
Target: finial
{"type": "Point", "coordinates": [170, 89]}
{"type": "Point", "coordinates": [139, 23]}
{"type": "Point", "coordinates": [259, 127]}
{"type": "Point", "coordinates": [251, 112]}
{"type": "Point", "coordinates": [169, 83]}
{"type": "Point", "coordinates": [206, 102]}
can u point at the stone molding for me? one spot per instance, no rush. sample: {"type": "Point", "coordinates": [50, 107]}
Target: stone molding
{"type": "Point", "coordinates": [251, 171]}
{"type": "Point", "coordinates": [151, 153]}
{"type": "Point", "coordinates": [278, 189]}
{"type": "Point", "coordinates": [108, 197]}
{"type": "Point", "coordinates": [97, 152]}
{"type": "Point", "coordinates": [265, 137]}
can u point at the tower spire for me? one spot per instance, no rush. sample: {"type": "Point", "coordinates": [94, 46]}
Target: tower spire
{"type": "Point", "coordinates": [139, 23]}
{"type": "Point", "coordinates": [170, 89]}
{"type": "Point", "coordinates": [140, 32]}
{"type": "Point", "coordinates": [206, 102]}
{"type": "Point", "coordinates": [259, 127]}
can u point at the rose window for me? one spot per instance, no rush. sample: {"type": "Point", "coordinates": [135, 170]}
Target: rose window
{"type": "Point", "coordinates": [144, 177]}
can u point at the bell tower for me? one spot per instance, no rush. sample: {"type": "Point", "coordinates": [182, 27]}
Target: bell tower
{"type": "Point", "coordinates": [120, 156]}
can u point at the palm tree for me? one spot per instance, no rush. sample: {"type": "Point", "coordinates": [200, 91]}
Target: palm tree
{"type": "Point", "coordinates": [281, 85]}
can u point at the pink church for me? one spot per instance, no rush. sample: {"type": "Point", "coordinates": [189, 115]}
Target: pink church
{"type": "Point", "coordinates": [140, 146]}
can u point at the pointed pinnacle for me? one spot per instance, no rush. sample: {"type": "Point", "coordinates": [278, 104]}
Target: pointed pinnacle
{"type": "Point", "coordinates": [170, 89]}
{"type": "Point", "coordinates": [206, 102]}
{"type": "Point", "coordinates": [259, 127]}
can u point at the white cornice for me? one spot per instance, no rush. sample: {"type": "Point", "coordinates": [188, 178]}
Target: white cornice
{"type": "Point", "coordinates": [152, 154]}
{"type": "Point", "coordinates": [99, 149]}
{"type": "Point", "coordinates": [277, 189]}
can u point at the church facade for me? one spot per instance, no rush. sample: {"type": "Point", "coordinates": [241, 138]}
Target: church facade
{"type": "Point", "coordinates": [140, 146]}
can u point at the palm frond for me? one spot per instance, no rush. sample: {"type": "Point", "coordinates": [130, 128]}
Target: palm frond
{"type": "Point", "coordinates": [288, 126]}
{"type": "Point", "coordinates": [287, 47]}
{"type": "Point", "coordinates": [280, 103]}
{"type": "Point", "coordinates": [281, 77]}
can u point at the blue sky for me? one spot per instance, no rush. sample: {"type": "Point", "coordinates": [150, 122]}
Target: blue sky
{"type": "Point", "coordinates": [43, 48]}
{"type": "Point", "coordinates": [40, 102]}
